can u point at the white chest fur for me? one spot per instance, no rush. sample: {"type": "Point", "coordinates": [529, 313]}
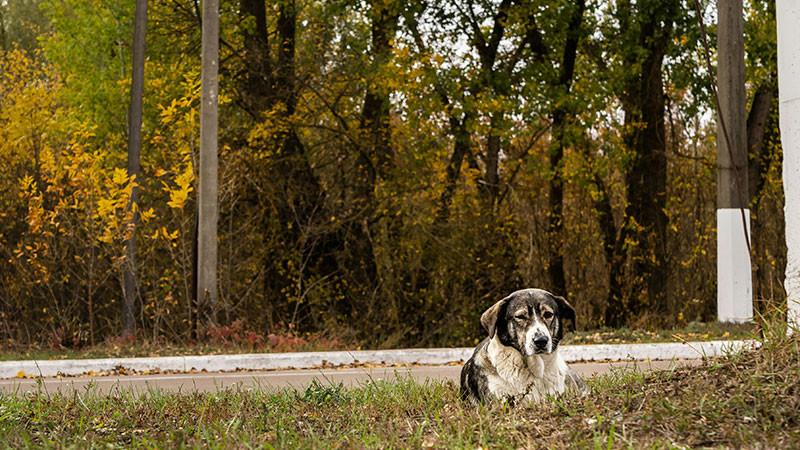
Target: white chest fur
{"type": "Point", "coordinates": [532, 377]}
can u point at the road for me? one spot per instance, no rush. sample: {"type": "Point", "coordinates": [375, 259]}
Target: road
{"type": "Point", "coordinates": [279, 379]}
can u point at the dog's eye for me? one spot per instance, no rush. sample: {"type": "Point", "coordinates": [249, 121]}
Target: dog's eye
{"type": "Point", "coordinates": [547, 315]}
{"type": "Point", "coordinates": [521, 316]}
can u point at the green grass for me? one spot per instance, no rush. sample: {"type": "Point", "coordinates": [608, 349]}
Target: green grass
{"type": "Point", "coordinates": [694, 331]}
{"type": "Point", "coordinates": [749, 398]}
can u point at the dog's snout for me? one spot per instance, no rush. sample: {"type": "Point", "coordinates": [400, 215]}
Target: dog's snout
{"type": "Point", "coordinates": [541, 340]}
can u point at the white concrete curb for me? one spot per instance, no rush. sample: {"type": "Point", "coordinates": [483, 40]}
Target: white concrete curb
{"type": "Point", "coordinates": [266, 361]}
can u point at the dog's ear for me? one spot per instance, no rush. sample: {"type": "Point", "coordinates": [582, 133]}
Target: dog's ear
{"type": "Point", "coordinates": [566, 311]}
{"type": "Point", "coordinates": [489, 317]}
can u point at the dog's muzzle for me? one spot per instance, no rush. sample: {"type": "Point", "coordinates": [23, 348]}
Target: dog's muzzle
{"type": "Point", "coordinates": [540, 343]}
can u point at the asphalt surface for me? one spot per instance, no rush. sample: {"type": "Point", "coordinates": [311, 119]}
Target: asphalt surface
{"type": "Point", "coordinates": [281, 379]}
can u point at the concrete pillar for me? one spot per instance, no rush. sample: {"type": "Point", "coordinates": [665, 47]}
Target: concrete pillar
{"type": "Point", "coordinates": [734, 288]}
{"type": "Point", "coordinates": [788, 15]}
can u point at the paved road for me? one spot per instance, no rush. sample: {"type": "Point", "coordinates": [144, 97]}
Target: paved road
{"type": "Point", "coordinates": [271, 380]}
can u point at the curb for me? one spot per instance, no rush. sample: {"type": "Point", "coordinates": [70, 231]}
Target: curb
{"type": "Point", "coordinates": [305, 360]}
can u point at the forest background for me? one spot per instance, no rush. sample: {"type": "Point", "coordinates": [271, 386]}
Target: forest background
{"type": "Point", "coordinates": [388, 169]}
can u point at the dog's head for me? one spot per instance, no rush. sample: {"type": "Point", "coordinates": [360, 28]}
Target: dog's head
{"type": "Point", "coordinates": [530, 320]}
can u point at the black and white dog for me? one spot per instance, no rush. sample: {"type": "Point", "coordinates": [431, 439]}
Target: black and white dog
{"type": "Point", "coordinates": [519, 361]}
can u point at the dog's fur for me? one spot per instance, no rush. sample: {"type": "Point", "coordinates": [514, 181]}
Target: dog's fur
{"type": "Point", "coordinates": [519, 361]}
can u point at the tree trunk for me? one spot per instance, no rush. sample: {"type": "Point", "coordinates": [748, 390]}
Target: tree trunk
{"type": "Point", "coordinates": [3, 38]}
{"type": "Point", "coordinates": [491, 179]}
{"type": "Point", "coordinates": [130, 283]}
{"type": "Point", "coordinates": [758, 120]}
{"type": "Point", "coordinates": [271, 84]}
{"type": "Point", "coordinates": [559, 114]}
{"type": "Point", "coordinates": [208, 200]}
{"type": "Point", "coordinates": [461, 147]}
{"type": "Point", "coordinates": [258, 80]}
{"type": "Point", "coordinates": [375, 114]}
{"type": "Point", "coordinates": [375, 155]}
{"type": "Point", "coordinates": [555, 268]}
{"type": "Point", "coordinates": [495, 80]}
{"type": "Point", "coordinates": [756, 127]}
{"type": "Point", "coordinates": [612, 247]}
{"type": "Point", "coordinates": [457, 129]}
{"type": "Point", "coordinates": [194, 331]}
{"type": "Point", "coordinates": [285, 70]}
{"type": "Point", "coordinates": [646, 179]}
{"type": "Point", "coordinates": [305, 190]}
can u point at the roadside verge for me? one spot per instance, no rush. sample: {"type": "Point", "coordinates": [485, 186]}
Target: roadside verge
{"type": "Point", "coordinates": [305, 360]}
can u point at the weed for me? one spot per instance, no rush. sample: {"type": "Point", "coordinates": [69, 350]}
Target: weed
{"type": "Point", "coordinates": [319, 394]}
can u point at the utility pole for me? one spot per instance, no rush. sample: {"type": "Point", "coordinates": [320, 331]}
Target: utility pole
{"type": "Point", "coordinates": [130, 284]}
{"type": "Point", "coordinates": [788, 15]}
{"type": "Point", "coordinates": [734, 275]}
{"type": "Point", "coordinates": [207, 204]}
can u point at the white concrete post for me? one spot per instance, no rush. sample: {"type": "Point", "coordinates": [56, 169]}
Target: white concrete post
{"type": "Point", "coordinates": [788, 15]}
{"type": "Point", "coordinates": [734, 274]}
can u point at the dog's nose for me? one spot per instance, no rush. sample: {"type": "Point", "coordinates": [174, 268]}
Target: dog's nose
{"type": "Point", "coordinates": [541, 341]}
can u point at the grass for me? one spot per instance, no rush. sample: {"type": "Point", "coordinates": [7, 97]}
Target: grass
{"type": "Point", "coordinates": [745, 399]}
{"type": "Point", "coordinates": [694, 331]}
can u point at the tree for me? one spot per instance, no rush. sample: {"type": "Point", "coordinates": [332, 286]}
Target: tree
{"type": "Point", "coordinates": [130, 283]}
{"type": "Point", "coordinates": [645, 36]}
{"type": "Point", "coordinates": [208, 202]}
{"type": "Point", "coordinates": [381, 165]}
{"type": "Point", "coordinates": [763, 141]}
{"type": "Point", "coordinates": [21, 22]}
{"type": "Point", "coordinates": [560, 116]}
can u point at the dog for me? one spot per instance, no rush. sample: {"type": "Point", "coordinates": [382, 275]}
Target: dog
{"type": "Point", "coordinates": [519, 361]}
